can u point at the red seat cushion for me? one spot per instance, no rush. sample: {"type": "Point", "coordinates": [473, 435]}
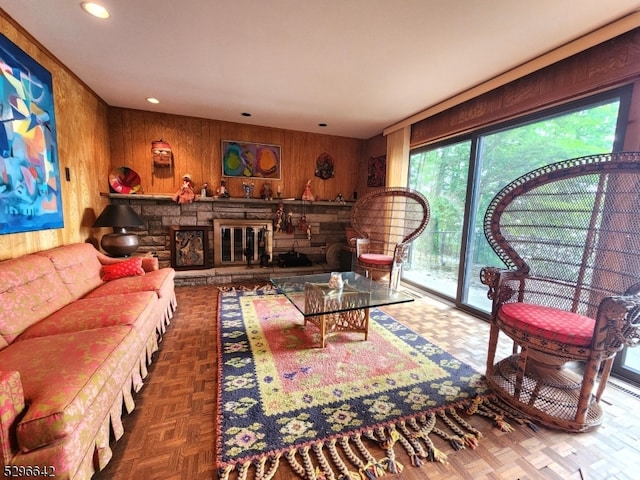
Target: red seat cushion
{"type": "Point", "coordinates": [376, 259]}
{"type": "Point", "coordinates": [550, 323]}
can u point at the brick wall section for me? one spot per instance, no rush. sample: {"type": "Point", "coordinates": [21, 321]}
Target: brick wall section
{"type": "Point", "coordinates": [327, 220]}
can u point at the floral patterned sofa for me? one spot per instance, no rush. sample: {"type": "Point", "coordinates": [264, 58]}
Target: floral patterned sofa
{"type": "Point", "coordinates": [77, 331]}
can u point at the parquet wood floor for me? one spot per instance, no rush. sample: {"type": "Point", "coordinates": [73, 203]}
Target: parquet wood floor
{"type": "Point", "coordinates": [171, 434]}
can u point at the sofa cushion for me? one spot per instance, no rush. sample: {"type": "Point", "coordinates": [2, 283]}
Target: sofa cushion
{"type": "Point", "coordinates": [126, 268]}
{"type": "Point", "coordinates": [61, 384]}
{"type": "Point", "coordinates": [149, 263]}
{"type": "Point", "coordinates": [89, 313]}
{"type": "Point", "coordinates": [77, 265]}
{"type": "Point", "coordinates": [30, 290]}
{"type": "Point", "coordinates": [159, 281]}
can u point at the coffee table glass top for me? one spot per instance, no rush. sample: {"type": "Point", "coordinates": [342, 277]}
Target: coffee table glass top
{"type": "Point", "coordinates": [358, 292]}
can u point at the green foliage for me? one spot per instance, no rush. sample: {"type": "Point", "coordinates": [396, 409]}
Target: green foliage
{"type": "Point", "coordinates": [502, 156]}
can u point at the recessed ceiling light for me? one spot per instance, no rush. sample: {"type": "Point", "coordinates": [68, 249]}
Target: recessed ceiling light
{"type": "Point", "coordinates": [153, 100]}
{"type": "Point", "coordinates": [245, 114]}
{"type": "Point", "coordinates": [95, 10]}
{"type": "Point", "coordinates": [322, 124]}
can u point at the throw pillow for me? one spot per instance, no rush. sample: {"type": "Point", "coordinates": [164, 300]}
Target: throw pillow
{"type": "Point", "coordinates": [126, 268]}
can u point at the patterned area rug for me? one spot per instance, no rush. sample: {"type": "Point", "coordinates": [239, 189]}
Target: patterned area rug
{"type": "Point", "coordinates": [323, 410]}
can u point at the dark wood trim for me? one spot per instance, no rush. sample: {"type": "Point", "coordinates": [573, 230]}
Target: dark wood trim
{"type": "Point", "coordinates": [606, 66]}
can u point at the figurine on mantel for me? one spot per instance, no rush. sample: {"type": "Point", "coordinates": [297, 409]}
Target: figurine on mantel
{"type": "Point", "coordinates": [308, 194]}
{"type": "Point", "coordinates": [186, 194]}
{"type": "Point", "coordinates": [204, 190]}
{"type": "Point", "coordinates": [248, 189]}
{"type": "Point", "coordinates": [222, 190]}
{"type": "Point", "coordinates": [265, 192]}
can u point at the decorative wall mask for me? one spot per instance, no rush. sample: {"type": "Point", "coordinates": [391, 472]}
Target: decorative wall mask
{"type": "Point", "coordinates": [324, 166]}
{"type": "Point", "coordinates": [162, 154]}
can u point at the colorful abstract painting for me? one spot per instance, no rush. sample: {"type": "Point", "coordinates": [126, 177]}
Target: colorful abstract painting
{"type": "Point", "coordinates": [30, 196]}
{"type": "Point", "coordinates": [246, 159]}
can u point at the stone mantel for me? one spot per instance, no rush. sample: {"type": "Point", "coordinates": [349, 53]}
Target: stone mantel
{"type": "Point", "coordinates": [327, 221]}
{"type": "Point", "coordinates": [160, 197]}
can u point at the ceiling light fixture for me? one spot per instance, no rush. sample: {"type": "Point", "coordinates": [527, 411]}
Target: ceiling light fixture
{"type": "Point", "coordinates": [153, 100]}
{"type": "Point", "coordinates": [245, 114]}
{"type": "Point", "coordinates": [95, 10]}
{"type": "Point", "coordinates": [322, 124]}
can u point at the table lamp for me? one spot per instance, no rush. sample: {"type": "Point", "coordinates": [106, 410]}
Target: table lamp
{"type": "Point", "coordinates": [120, 243]}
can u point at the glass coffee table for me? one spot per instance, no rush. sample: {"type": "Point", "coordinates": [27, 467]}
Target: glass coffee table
{"type": "Point", "coordinates": [333, 309]}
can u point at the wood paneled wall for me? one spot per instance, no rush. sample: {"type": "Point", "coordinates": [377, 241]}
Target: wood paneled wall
{"type": "Point", "coordinates": [83, 147]}
{"type": "Point", "coordinates": [196, 145]}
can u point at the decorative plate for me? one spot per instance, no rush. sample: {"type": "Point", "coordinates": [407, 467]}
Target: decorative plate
{"type": "Point", "coordinates": [124, 180]}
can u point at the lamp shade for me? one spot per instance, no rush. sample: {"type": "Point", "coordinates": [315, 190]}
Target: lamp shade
{"type": "Point", "coordinates": [118, 216]}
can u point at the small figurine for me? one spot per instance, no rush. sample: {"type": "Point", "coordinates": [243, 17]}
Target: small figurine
{"type": "Point", "coordinates": [303, 224]}
{"type": "Point", "coordinates": [307, 194]}
{"type": "Point", "coordinates": [186, 194]}
{"type": "Point", "coordinates": [222, 190]}
{"type": "Point", "coordinates": [204, 190]}
{"type": "Point", "coordinates": [248, 189]}
{"type": "Point", "coordinates": [335, 280]}
{"type": "Point", "coordinates": [289, 222]}
{"type": "Point", "coordinates": [265, 192]}
{"type": "Point", "coordinates": [278, 219]}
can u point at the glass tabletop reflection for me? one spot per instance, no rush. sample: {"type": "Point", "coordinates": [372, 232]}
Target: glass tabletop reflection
{"type": "Point", "coordinates": [317, 295]}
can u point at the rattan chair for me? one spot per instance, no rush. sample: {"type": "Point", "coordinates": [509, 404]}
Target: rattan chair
{"type": "Point", "coordinates": [569, 234]}
{"type": "Point", "coordinates": [386, 221]}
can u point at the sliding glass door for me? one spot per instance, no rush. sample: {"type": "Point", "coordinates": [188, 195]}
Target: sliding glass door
{"type": "Point", "coordinates": [460, 178]}
{"type": "Point", "coordinates": [442, 175]}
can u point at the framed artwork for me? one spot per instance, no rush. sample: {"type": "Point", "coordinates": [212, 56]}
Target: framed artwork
{"type": "Point", "coordinates": [246, 159]}
{"type": "Point", "coordinates": [377, 171]}
{"type": "Point", "coordinates": [30, 195]}
{"type": "Point", "coordinates": [188, 247]}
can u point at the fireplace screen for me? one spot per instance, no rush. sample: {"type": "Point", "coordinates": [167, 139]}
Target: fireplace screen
{"type": "Point", "coordinates": [242, 242]}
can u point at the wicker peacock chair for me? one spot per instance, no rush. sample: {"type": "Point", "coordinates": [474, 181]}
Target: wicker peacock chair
{"type": "Point", "coordinates": [386, 221]}
{"type": "Point", "coordinates": [569, 234]}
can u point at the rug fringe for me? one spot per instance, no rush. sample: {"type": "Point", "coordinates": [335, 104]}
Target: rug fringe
{"type": "Point", "coordinates": [348, 458]}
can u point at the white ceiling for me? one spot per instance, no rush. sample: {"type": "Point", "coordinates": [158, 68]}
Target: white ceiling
{"type": "Point", "coordinates": [357, 65]}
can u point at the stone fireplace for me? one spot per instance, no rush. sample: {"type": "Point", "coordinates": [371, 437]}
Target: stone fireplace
{"type": "Point", "coordinates": [233, 225]}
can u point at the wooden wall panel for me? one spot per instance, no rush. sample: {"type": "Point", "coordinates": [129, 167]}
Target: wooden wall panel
{"type": "Point", "coordinates": [196, 145]}
{"type": "Point", "coordinates": [94, 138]}
{"type": "Point", "coordinates": [83, 147]}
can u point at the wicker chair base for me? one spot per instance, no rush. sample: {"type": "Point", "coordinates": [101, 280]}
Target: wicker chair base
{"type": "Point", "coordinates": [547, 395]}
